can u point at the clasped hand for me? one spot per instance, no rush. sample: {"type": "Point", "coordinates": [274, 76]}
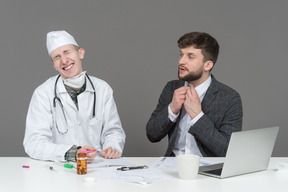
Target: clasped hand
{"type": "Point", "coordinates": [188, 97]}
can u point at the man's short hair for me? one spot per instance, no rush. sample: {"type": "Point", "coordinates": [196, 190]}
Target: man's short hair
{"type": "Point", "coordinates": [199, 40]}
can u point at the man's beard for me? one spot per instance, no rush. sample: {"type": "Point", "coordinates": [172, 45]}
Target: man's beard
{"type": "Point", "coordinates": [191, 76]}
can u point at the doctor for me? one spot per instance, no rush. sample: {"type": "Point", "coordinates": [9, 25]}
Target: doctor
{"type": "Point", "coordinates": [72, 111]}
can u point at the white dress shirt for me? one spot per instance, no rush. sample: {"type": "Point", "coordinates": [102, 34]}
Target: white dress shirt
{"type": "Point", "coordinates": [186, 143]}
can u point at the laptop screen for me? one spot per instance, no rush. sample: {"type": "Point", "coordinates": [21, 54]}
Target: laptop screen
{"type": "Point", "coordinates": [248, 151]}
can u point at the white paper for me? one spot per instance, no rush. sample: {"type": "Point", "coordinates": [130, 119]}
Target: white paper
{"type": "Point", "coordinates": [170, 163]}
{"type": "Point", "coordinates": [102, 162]}
{"type": "Point", "coordinates": [142, 176]}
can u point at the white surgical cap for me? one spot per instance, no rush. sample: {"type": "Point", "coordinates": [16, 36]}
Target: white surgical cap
{"type": "Point", "coordinates": [57, 39]}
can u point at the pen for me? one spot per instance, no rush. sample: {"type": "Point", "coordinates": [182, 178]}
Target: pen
{"type": "Point", "coordinates": [160, 162]}
{"type": "Point", "coordinates": [131, 168]}
{"type": "Point", "coordinates": [87, 151]}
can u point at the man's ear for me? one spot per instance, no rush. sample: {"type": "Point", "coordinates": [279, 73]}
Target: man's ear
{"type": "Point", "coordinates": [208, 65]}
{"type": "Point", "coordinates": [81, 52]}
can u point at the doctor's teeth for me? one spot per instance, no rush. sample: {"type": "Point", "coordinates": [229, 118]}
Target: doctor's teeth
{"type": "Point", "coordinates": [68, 67]}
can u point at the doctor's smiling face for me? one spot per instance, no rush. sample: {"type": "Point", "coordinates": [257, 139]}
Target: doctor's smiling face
{"type": "Point", "coordinates": [67, 60]}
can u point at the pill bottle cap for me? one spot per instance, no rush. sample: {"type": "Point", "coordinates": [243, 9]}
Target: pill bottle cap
{"type": "Point", "coordinates": [68, 166]}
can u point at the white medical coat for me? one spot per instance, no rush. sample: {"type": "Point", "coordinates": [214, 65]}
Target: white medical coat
{"type": "Point", "coordinates": [42, 139]}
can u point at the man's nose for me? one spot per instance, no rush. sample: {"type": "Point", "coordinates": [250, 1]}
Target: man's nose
{"type": "Point", "coordinates": [182, 60]}
{"type": "Point", "coordinates": [64, 59]}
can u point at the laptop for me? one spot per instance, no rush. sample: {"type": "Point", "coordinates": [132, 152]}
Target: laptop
{"type": "Point", "coordinates": [248, 151]}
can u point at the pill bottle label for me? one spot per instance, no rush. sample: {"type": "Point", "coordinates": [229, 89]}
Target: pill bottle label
{"type": "Point", "coordinates": [81, 164]}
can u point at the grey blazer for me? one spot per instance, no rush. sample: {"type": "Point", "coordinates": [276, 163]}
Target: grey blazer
{"type": "Point", "coordinates": [223, 115]}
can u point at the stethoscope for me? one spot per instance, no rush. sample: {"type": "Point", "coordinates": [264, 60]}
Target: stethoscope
{"type": "Point", "coordinates": [57, 99]}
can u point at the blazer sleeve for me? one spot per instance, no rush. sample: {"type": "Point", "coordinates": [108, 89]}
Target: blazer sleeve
{"type": "Point", "coordinates": [213, 130]}
{"type": "Point", "coordinates": [159, 124]}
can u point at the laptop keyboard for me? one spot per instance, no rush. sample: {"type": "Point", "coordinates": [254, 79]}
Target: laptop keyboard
{"type": "Point", "coordinates": [215, 171]}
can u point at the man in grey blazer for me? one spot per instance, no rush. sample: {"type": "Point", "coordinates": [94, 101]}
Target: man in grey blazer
{"type": "Point", "coordinates": [197, 112]}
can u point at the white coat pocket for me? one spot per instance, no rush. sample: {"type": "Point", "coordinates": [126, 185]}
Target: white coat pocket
{"type": "Point", "coordinates": [95, 132]}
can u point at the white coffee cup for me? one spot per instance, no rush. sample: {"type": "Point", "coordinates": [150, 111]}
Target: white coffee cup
{"type": "Point", "coordinates": [188, 166]}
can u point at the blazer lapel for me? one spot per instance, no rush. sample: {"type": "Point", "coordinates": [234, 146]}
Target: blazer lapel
{"type": "Point", "coordinates": [210, 94]}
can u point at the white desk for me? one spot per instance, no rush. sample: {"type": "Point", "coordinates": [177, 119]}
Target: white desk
{"type": "Point", "coordinates": [39, 178]}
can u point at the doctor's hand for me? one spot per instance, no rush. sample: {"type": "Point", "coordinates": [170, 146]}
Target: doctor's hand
{"type": "Point", "coordinates": [192, 103]}
{"type": "Point", "coordinates": [90, 156]}
{"type": "Point", "coordinates": [110, 153]}
{"type": "Point", "coordinates": [178, 100]}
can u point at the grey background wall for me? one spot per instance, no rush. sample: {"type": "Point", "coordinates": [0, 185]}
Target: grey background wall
{"type": "Point", "coordinates": [131, 44]}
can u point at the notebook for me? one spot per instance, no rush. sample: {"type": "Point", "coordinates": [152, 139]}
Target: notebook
{"type": "Point", "coordinates": [248, 151]}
